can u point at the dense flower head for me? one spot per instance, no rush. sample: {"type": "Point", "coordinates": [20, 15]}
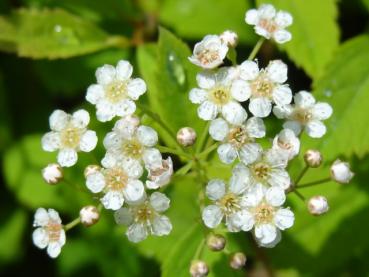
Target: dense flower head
{"type": "Point", "coordinates": [269, 23]}
{"type": "Point", "coordinates": [49, 232]}
{"type": "Point", "coordinates": [305, 114]}
{"type": "Point", "coordinates": [144, 217]}
{"type": "Point", "coordinates": [238, 140]}
{"type": "Point", "coordinates": [115, 91]}
{"type": "Point", "coordinates": [69, 135]}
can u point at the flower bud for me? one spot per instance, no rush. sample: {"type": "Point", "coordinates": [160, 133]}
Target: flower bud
{"type": "Point", "coordinates": [313, 158]}
{"type": "Point", "coordinates": [52, 173]}
{"type": "Point", "coordinates": [216, 242]}
{"type": "Point", "coordinates": [340, 172]}
{"type": "Point", "coordinates": [318, 205]}
{"type": "Point", "coordinates": [133, 120]}
{"type": "Point", "coordinates": [186, 136]}
{"type": "Point", "coordinates": [89, 215]}
{"type": "Point", "coordinates": [238, 260]}
{"type": "Point", "coordinates": [230, 38]}
{"type": "Point", "coordinates": [90, 169]}
{"type": "Point", "coordinates": [199, 269]}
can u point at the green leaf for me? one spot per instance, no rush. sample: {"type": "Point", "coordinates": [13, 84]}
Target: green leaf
{"type": "Point", "coordinates": [315, 34]}
{"type": "Point", "coordinates": [52, 34]}
{"type": "Point", "coordinates": [194, 19]}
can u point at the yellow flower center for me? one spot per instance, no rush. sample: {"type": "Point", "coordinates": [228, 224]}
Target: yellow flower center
{"type": "Point", "coordinates": [220, 95]}
{"type": "Point", "coordinates": [229, 203]}
{"type": "Point", "coordinates": [268, 25]}
{"type": "Point", "coordinates": [53, 230]}
{"type": "Point", "coordinates": [238, 137]}
{"type": "Point", "coordinates": [116, 91]}
{"type": "Point", "coordinates": [116, 179]}
{"type": "Point", "coordinates": [132, 148]}
{"type": "Point", "coordinates": [144, 213]}
{"type": "Point", "coordinates": [207, 56]}
{"type": "Point", "coordinates": [264, 213]}
{"type": "Point", "coordinates": [302, 115]}
{"type": "Point", "coordinates": [70, 137]}
{"type": "Point", "coordinates": [260, 171]}
{"type": "Point", "coordinates": [262, 86]}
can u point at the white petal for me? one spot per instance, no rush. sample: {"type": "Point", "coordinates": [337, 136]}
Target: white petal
{"type": "Point", "coordinates": [276, 158]}
{"type": "Point", "coordinates": [88, 141]}
{"type": "Point", "coordinates": [286, 140]}
{"type": "Point", "coordinates": [105, 111]}
{"type": "Point", "coordinates": [275, 196]}
{"type": "Point", "coordinates": [282, 95]}
{"type": "Point", "coordinates": [255, 127]}
{"type": "Point", "coordinates": [41, 217]}
{"type": "Point", "coordinates": [227, 153]}
{"type": "Point", "coordinates": [94, 93]}
{"type": "Point", "coordinates": [240, 90]}
{"type": "Point", "coordinates": [215, 189]}
{"type": "Point", "coordinates": [206, 79]}
{"type": "Point", "coordinates": [159, 201]}
{"type": "Point", "coordinates": [161, 226]}
{"type": "Point", "coordinates": [125, 107]}
{"type": "Point", "coordinates": [243, 220]}
{"type": "Point", "coordinates": [109, 160]}
{"type": "Point", "coordinates": [294, 126]}
{"type": "Point", "coordinates": [80, 118]}
{"type": "Point", "coordinates": [147, 136]}
{"type": "Point", "coordinates": [212, 216]}
{"type": "Point", "coordinates": [304, 99]}
{"type": "Point", "coordinates": [40, 238]}
{"type": "Point", "coordinates": [267, 11]}
{"type": "Point", "coordinates": [315, 129]}
{"type": "Point", "coordinates": [137, 232]}
{"type": "Point", "coordinates": [218, 129]}
{"type": "Point", "coordinates": [112, 200]}
{"type": "Point", "coordinates": [123, 216]}
{"type": "Point", "coordinates": [284, 218]}
{"type": "Point", "coordinates": [265, 233]}
{"type": "Point", "coordinates": [274, 242]}
{"type": "Point", "coordinates": [136, 88]}
{"type": "Point", "coordinates": [283, 19]}
{"type": "Point", "coordinates": [261, 31]}
{"type": "Point", "coordinates": [252, 17]}
{"type": "Point", "coordinates": [105, 74]}
{"type": "Point", "coordinates": [279, 178]}
{"type": "Point", "coordinates": [253, 196]}
{"type": "Point", "coordinates": [134, 190]}
{"type": "Point", "coordinates": [277, 71]}
{"type": "Point", "coordinates": [54, 215]}
{"type": "Point", "coordinates": [95, 182]}
{"type": "Point", "coordinates": [240, 179]}
{"type": "Point", "coordinates": [282, 111]}
{"type": "Point", "coordinates": [62, 238]}
{"type": "Point", "coordinates": [207, 110]}
{"type": "Point", "coordinates": [197, 96]}
{"type": "Point", "coordinates": [50, 141]}
{"type": "Point", "coordinates": [282, 36]}
{"type": "Point", "coordinates": [234, 113]}
{"type": "Point", "coordinates": [133, 167]}
{"type": "Point", "coordinates": [250, 152]}
{"type": "Point", "coordinates": [322, 111]}
{"type": "Point", "coordinates": [54, 249]}
{"type": "Point", "coordinates": [152, 158]}
{"type": "Point", "coordinates": [124, 70]}
{"type": "Point", "coordinates": [58, 120]}
{"type": "Point", "coordinates": [67, 157]}
{"type": "Point", "coordinates": [260, 107]}
{"type": "Point", "coordinates": [249, 70]}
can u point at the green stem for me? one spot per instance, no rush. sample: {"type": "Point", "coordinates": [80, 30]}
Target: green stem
{"type": "Point", "coordinates": [256, 49]}
{"type": "Point", "coordinates": [304, 170]}
{"type": "Point", "coordinates": [180, 153]}
{"type": "Point", "coordinates": [208, 150]}
{"type": "Point", "coordinates": [202, 139]}
{"type": "Point", "coordinates": [232, 56]}
{"type": "Point", "coordinates": [299, 195]}
{"type": "Point", "coordinates": [184, 169]}
{"type": "Point", "coordinates": [318, 182]}
{"type": "Point", "coordinates": [72, 224]}
{"type": "Point", "coordinates": [199, 250]}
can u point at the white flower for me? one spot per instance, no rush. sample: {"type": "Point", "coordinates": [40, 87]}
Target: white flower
{"type": "Point", "coordinates": [145, 218]}
{"type": "Point", "coordinates": [69, 135]}
{"type": "Point", "coordinates": [269, 23]}
{"type": "Point", "coordinates": [318, 205]}
{"type": "Point", "coordinates": [265, 214]}
{"type": "Point", "coordinates": [132, 144]}
{"type": "Point", "coordinates": [216, 95]}
{"type": "Point", "coordinates": [238, 140]}
{"type": "Point", "coordinates": [340, 172]}
{"type": "Point", "coordinates": [49, 233]}
{"type": "Point", "coordinates": [305, 113]}
{"type": "Point", "coordinates": [269, 169]}
{"type": "Point", "coordinates": [119, 183]}
{"type": "Point", "coordinates": [227, 202]}
{"type": "Point", "coordinates": [115, 91]}
{"type": "Point", "coordinates": [210, 52]}
{"type": "Point", "coordinates": [287, 141]}
{"type": "Point", "coordinates": [230, 38]}
{"type": "Point", "coordinates": [52, 173]}
{"type": "Point", "coordinates": [263, 87]}
{"type": "Point", "coordinates": [160, 177]}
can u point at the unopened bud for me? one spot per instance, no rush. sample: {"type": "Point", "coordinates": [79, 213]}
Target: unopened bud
{"type": "Point", "coordinates": [52, 173]}
{"type": "Point", "coordinates": [132, 119]}
{"type": "Point", "coordinates": [238, 260]}
{"type": "Point", "coordinates": [313, 158]}
{"type": "Point", "coordinates": [230, 38]}
{"type": "Point", "coordinates": [89, 215]}
{"type": "Point", "coordinates": [340, 172]}
{"type": "Point", "coordinates": [186, 136]}
{"type": "Point", "coordinates": [216, 242]}
{"type": "Point", "coordinates": [90, 169]}
{"type": "Point", "coordinates": [199, 269]}
{"type": "Point", "coordinates": [318, 205]}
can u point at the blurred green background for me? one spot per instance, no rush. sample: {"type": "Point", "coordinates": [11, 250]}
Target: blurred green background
{"type": "Point", "coordinates": [49, 52]}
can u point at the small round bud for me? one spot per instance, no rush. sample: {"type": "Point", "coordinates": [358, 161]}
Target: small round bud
{"type": "Point", "coordinates": [341, 173]}
{"type": "Point", "coordinates": [238, 260]}
{"type": "Point", "coordinates": [90, 169]}
{"type": "Point", "coordinates": [230, 38]}
{"type": "Point", "coordinates": [216, 242]}
{"type": "Point", "coordinates": [318, 205]}
{"type": "Point", "coordinates": [89, 215]}
{"type": "Point", "coordinates": [132, 119]}
{"type": "Point", "coordinates": [313, 158]}
{"type": "Point", "coordinates": [199, 269]}
{"type": "Point", "coordinates": [52, 173]}
{"type": "Point", "coordinates": [186, 136]}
